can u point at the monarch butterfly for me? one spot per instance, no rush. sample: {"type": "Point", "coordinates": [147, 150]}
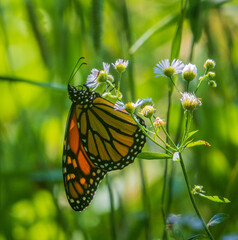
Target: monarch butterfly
{"type": "Point", "coordinates": [98, 139]}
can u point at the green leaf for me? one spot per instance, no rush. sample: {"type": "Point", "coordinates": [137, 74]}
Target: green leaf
{"type": "Point", "coordinates": [198, 143]}
{"type": "Point", "coordinates": [151, 155]}
{"type": "Point", "coordinates": [190, 134]}
{"type": "Point", "coordinates": [215, 198]}
{"type": "Point", "coordinates": [159, 26]}
{"type": "Point", "coordinates": [216, 219]}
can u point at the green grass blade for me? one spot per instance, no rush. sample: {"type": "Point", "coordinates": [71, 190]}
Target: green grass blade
{"type": "Point", "coordinates": [176, 43]}
{"type": "Point", "coordinates": [97, 19]}
{"type": "Point", "coordinates": [42, 43]}
{"type": "Point", "coordinates": [159, 26]}
{"type": "Point", "coordinates": [54, 86]}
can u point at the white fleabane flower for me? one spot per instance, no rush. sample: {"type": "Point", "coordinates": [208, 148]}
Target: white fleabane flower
{"type": "Point", "coordinates": [130, 107]}
{"type": "Point", "coordinates": [189, 72]}
{"type": "Point", "coordinates": [189, 101]}
{"type": "Point", "coordinates": [165, 69]}
{"type": "Point", "coordinates": [99, 76]}
{"type": "Point", "coordinates": [120, 65]}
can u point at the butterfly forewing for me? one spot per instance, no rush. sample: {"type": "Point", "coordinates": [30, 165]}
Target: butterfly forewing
{"type": "Point", "coordinates": [81, 176]}
{"type": "Point", "coordinates": [110, 136]}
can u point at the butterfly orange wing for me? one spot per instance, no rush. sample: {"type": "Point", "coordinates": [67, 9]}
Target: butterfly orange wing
{"type": "Point", "coordinates": [81, 176]}
{"type": "Point", "coordinates": [110, 136]}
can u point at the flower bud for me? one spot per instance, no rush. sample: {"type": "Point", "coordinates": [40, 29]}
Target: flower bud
{"type": "Point", "coordinates": [209, 64]}
{"type": "Point", "coordinates": [211, 75]}
{"type": "Point", "coordinates": [198, 189]}
{"type": "Point", "coordinates": [146, 101]}
{"type": "Point", "coordinates": [212, 84]}
{"type": "Point", "coordinates": [147, 111]}
{"type": "Point", "coordinates": [189, 72]}
{"type": "Point", "coordinates": [158, 123]}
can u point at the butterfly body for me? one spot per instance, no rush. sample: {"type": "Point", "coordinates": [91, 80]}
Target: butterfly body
{"type": "Point", "coordinates": [98, 139]}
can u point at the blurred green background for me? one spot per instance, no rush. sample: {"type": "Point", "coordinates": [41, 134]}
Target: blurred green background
{"type": "Point", "coordinates": [41, 41]}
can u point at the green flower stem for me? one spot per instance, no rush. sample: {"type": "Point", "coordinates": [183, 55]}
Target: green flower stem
{"type": "Point", "coordinates": [112, 212]}
{"type": "Point", "coordinates": [187, 86]}
{"type": "Point", "coordinates": [161, 139]}
{"type": "Point", "coordinates": [192, 197]}
{"type": "Point", "coordinates": [171, 79]}
{"type": "Point", "coordinates": [147, 135]}
{"type": "Point", "coordinates": [110, 84]}
{"type": "Point", "coordinates": [200, 81]}
{"type": "Point", "coordinates": [146, 202]}
{"type": "Point", "coordinates": [170, 139]}
{"type": "Point", "coordinates": [189, 116]}
{"type": "Point", "coordinates": [165, 234]}
{"type": "Point", "coordinates": [147, 130]}
{"type": "Point", "coordinates": [119, 84]}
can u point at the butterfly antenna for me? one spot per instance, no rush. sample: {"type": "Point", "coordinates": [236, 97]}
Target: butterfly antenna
{"type": "Point", "coordinates": [76, 68]}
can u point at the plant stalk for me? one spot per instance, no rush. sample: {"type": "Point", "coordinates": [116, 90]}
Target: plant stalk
{"type": "Point", "coordinates": [112, 212]}
{"type": "Point", "coordinates": [192, 198]}
{"type": "Point", "coordinates": [166, 164]}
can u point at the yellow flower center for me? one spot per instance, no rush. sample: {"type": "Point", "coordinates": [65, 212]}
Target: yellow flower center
{"type": "Point", "coordinates": [189, 75]}
{"type": "Point", "coordinates": [169, 72]}
{"type": "Point", "coordinates": [102, 76]}
{"type": "Point", "coordinates": [130, 107]}
{"type": "Point", "coordinates": [120, 68]}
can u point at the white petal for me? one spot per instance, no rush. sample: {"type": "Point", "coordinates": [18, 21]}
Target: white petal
{"type": "Point", "coordinates": [95, 71]}
{"type": "Point", "coordinates": [106, 66]}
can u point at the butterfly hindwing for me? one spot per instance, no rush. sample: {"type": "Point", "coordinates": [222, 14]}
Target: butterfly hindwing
{"type": "Point", "coordinates": [81, 176]}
